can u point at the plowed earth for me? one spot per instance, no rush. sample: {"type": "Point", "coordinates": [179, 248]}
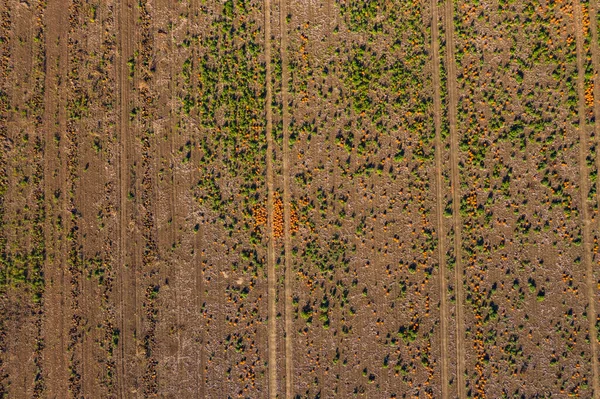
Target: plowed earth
{"type": "Point", "coordinates": [299, 199]}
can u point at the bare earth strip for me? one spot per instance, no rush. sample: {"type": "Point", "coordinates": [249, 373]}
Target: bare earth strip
{"type": "Point", "coordinates": [272, 314]}
{"type": "Point", "coordinates": [198, 265]}
{"type": "Point", "coordinates": [197, 258]}
{"type": "Point", "coordinates": [176, 226]}
{"type": "Point", "coordinates": [435, 47]}
{"type": "Point", "coordinates": [286, 202]}
{"type": "Point", "coordinates": [54, 323]}
{"type": "Point", "coordinates": [595, 49]}
{"type": "Point", "coordinates": [125, 344]}
{"type": "Point", "coordinates": [172, 382]}
{"type": "Point", "coordinates": [583, 189]}
{"type": "Point", "coordinates": [175, 263]}
{"type": "Point", "coordinates": [452, 106]}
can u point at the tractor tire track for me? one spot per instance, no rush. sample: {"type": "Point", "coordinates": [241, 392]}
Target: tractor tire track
{"type": "Point", "coordinates": [595, 50]}
{"type": "Point", "coordinates": [165, 180]}
{"type": "Point", "coordinates": [437, 109]}
{"type": "Point", "coordinates": [289, 315]}
{"type": "Point", "coordinates": [198, 266]}
{"type": "Point", "coordinates": [271, 276]}
{"type": "Point", "coordinates": [197, 259]}
{"type": "Point", "coordinates": [452, 109]}
{"type": "Point", "coordinates": [55, 120]}
{"type": "Point", "coordinates": [583, 189]}
{"type": "Point", "coordinates": [175, 223]}
{"type": "Point", "coordinates": [126, 282]}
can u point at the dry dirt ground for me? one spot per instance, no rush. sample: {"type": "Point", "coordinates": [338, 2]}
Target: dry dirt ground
{"type": "Point", "coordinates": [299, 199]}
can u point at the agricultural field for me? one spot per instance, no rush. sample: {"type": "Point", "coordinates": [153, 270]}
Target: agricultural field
{"type": "Point", "coordinates": [299, 199]}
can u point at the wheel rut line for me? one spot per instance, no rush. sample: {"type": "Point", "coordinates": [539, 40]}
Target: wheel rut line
{"type": "Point", "coordinates": [198, 299]}
{"type": "Point", "coordinates": [174, 263]}
{"type": "Point", "coordinates": [583, 189]}
{"type": "Point", "coordinates": [439, 204]}
{"type": "Point", "coordinates": [452, 109]}
{"type": "Point", "coordinates": [53, 115]}
{"type": "Point", "coordinates": [197, 262]}
{"type": "Point", "coordinates": [595, 49]}
{"type": "Point", "coordinates": [124, 47]}
{"type": "Point", "coordinates": [271, 277]}
{"type": "Point", "coordinates": [197, 259]}
{"type": "Point", "coordinates": [286, 201]}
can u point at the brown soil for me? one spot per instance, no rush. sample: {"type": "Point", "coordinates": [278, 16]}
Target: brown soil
{"type": "Point", "coordinates": [299, 199]}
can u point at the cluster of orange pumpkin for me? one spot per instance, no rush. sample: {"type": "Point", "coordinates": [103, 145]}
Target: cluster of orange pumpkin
{"type": "Point", "coordinates": [260, 217]}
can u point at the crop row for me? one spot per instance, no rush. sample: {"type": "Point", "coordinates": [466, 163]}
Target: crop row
{"type": "Point", "coordinates": [519, 186]}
